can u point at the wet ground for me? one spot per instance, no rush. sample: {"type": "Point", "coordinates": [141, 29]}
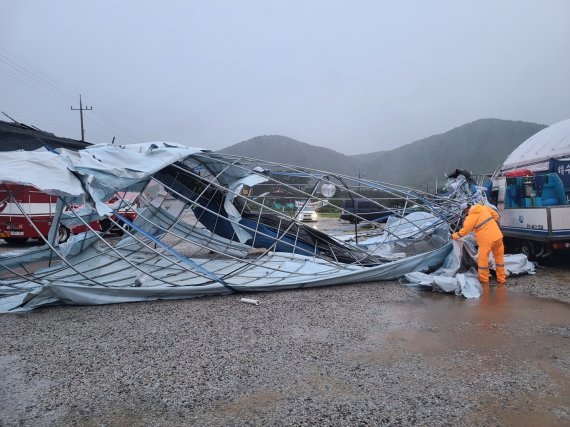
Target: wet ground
{"type": "Point", "coordinates": [501, 332]}
{"type": "Point", "coordinates": [370, 354]}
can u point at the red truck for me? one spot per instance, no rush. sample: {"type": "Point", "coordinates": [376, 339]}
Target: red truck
{"type": "Point", "coordinates": [18, 203]}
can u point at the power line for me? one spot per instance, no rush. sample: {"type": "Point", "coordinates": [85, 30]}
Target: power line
{"type": "Point", "coordinates": [60, 92]}
{"type": "Point", "coordinates": [45, 122]}
{"type": "Point", "coordinates": [111, 132]}
{"type": "Point", "coordinates": [32, 87]}
{"type": "Point", "coordinates": [20, 68]}
{"type": "Point", "coordinates": [112, 123]}
{"type": "Point", "coordinates": [59, 100]}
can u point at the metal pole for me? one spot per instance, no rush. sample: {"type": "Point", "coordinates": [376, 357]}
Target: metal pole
{"type": "Point", "coordinates": [81, 116]}
{"type": "Point", "coordinates": [81, 110]}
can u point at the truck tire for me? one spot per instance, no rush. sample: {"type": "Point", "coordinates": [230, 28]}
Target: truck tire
{"type": "Point", "coordinates": [106, 225]}
{"type": "Point", "coordinates": [63, 234]}
{"type": "Point", "coordinates": [528, 248]}
{"type": "Point", "coordinates": [128, 228]}
{"type": "Point", "coordinates": [122, 228]}
{"type": "Point", "coordinates": [511, 245]}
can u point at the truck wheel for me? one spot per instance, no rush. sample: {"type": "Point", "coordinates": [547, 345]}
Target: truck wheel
{"type": "Point", "coordinates": [527, 248]}
{"type": "Point", "coordinates": [16, 240]}
{"type": "Point", "coordinates": [105, 224]}
{"type": "Point", "coordinates": [123, 228]}
{"type": "Point", "coordinates": [62, 234]}
{"type": "Point", "coordinates": [511, 245]}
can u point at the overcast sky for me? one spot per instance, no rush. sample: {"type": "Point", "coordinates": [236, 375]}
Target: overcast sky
{"type": "Point", "coordinates": [354, 76]}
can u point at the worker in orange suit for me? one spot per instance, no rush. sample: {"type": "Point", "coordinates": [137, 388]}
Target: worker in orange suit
{"type": "Point", "coordinates": [484, 221]}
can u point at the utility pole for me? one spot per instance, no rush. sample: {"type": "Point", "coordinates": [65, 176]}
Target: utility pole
{"type": "Point", "coordinates": [81, 110]}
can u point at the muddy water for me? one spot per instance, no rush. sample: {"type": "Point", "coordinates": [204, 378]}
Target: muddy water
{"type": "Point", "coordinates": [492, 322]}
{"type": "Point", "coordinates": [496, 335]}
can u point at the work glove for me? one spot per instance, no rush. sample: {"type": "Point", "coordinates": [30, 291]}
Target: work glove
{"type": "Point", "coordinates": [455, 236]}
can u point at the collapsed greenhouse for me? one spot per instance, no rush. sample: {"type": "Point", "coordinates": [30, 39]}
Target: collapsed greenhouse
{"type": "Point", "coordinates": [206, 224]}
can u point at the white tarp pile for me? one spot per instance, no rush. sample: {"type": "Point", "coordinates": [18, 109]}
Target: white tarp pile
{"type": "Point", "coordinates": [460, 188]}
{"type": "Point", "coordinates": [458, 273]}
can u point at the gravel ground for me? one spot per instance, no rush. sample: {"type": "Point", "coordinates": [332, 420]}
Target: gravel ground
{"type": "Point", "coordinates": [370, 354]}
{"type": "Point", "coordinates": [552, 279]}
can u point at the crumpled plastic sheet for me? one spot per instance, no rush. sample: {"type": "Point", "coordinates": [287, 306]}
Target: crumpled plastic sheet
{"type": "Point", "coordinates": [415, 233]}
{"type": "Point", "coordinates": [458, 272]}
{"type": "Point", "coordinates": [515, 264]}
{"type": "Point", "coordinates": [466, 284]}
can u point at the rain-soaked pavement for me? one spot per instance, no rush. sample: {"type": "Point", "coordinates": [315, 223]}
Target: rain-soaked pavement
{"type": "Point", "coordinates": [504, 330]}
{"type": "Point", "coordinates": [371, 354]}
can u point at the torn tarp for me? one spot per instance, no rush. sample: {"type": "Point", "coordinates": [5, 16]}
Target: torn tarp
{"type": "Point", "coordinates": [94, 173]}
{"type": "Point", "coordinates": [201, 230]}
{"type": "Point", "coordinates": [458, 273]}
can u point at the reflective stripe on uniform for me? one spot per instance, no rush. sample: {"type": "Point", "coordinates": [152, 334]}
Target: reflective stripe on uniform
{"type": "Point", "coordinates": [499, 265]}
{"type": "Point", "coordinates": [482, 268]}
{"type": "Point", "coordinates": [481, 224]}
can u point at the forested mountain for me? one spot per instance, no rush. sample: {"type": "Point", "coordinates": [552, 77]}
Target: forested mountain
{"type": "Point", "coordinates": [480, 147]}
{"type": "Point", "coordinates": [286, 150]}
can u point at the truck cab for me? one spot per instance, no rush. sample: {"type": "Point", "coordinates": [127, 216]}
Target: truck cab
{"type": "Point", "coordinates": [531, 189]}
{"type": "Point", "coordinates": [534, 211]}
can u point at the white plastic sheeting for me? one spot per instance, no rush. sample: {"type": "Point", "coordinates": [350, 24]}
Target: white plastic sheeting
{"type": "Point", "coordinates": [400, 234]}
{"type": "Point", "coordinates": [457, 276]}
{"type": "Point", "coordinates": [516, 264]}
{"type": "Point", "coordinates": [233, 214]}
{"type": "Point", "coordinates": [459, 188]}
{"type": "Point", "coordinates": [449, 278]}
{"type": "Point", "coordinates": [161, 279]}
{"type": "Point", "coordinates": [44, 170]}
{"type": "Point", "coordinates": [102, 170]}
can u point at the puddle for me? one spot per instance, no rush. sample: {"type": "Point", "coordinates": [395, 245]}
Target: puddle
{"type": "Point", "coordinates": [504, 331]}
{"type": "Point", "coordinates": [498, 321]}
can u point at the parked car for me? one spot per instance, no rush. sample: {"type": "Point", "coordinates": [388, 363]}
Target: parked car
{"type": "Point", "coordinates": [307, 214]}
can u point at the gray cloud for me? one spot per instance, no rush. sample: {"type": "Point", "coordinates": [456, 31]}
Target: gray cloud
{"type": "Point", "coordinates": [352, 76]}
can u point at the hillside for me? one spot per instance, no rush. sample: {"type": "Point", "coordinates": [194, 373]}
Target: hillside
{"type": "Point", "coordinates": [281, 149]}
{"type": "Point", "coordinates": [479, 146]}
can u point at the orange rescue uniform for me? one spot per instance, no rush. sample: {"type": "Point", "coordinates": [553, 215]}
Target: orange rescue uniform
{"type": "Point", "coordinates": [484, 221]}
